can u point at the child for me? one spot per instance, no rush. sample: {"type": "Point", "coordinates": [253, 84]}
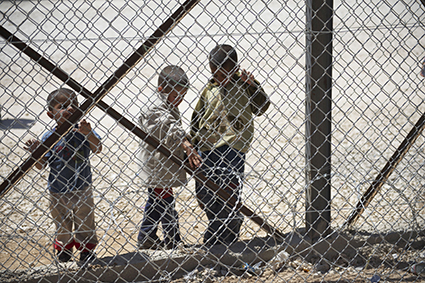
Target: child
{"type": "Point", "coordinates": [222, 129]}
{"type": "Point", "coordinates": [70, 179]}
{"type": "Point", "coordinates": [161, 118]}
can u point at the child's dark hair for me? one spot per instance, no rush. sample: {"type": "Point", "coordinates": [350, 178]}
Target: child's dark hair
{"type": "Point", "coordinates": [223, 56]}
{"type": "Point", "coordinates": [171, 77]}
{"type": "Point", "coordinates": [53, 97]}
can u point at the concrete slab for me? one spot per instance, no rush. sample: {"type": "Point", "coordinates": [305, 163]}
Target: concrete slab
{"type": "Point", "coordinates": [148, 265]}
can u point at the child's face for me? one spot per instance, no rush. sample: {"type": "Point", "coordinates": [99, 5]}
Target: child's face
{"type": "Point", "coordinates": [222, 75]}
{"type": "Point", "coordinates": [62, 110]}
{"type": "Point", "coordinates": [175, 97]}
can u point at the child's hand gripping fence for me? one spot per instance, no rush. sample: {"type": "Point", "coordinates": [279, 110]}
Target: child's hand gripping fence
{"type": "Point", "coordinates": [92, 99]}
{"type": "Point", "coordinates": [377, 96]}
{"type": "Point", "coordinates": [132, 61]}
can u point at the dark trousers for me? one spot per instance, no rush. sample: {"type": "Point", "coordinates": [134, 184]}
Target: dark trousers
{"type": "Point", "coordinates": [162, 210]}
{"type": "Point", "coordinates": [224, 166]}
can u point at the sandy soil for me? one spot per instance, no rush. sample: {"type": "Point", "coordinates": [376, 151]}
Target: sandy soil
{"type": "Point", "coordinates": [377, 99]}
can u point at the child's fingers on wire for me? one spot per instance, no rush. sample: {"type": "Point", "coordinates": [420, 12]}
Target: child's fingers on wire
{"type": "Point", "coordinates": [30, 145]}
{"type": "Point", "coordinates": [247, 76]}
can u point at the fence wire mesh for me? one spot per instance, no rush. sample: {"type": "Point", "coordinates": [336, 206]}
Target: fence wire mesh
{"type": "Point", "coordinates": [377, 98]}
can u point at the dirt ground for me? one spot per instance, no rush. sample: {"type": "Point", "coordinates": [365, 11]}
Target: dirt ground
{"type": "Point", "coordinates": [387, 258]}
{"type": "Point", "coordinates": [377, 99]}
{"type": "Point", "coordinates": [293, 275]}
{"type": "Point", "coordinates": [27, 230]}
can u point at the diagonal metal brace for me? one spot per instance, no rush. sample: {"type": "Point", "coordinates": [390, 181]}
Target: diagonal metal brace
{"type": "Point", "coordinates": [92, 99]}
{"type": "Point", "coordinates": [229, 200]}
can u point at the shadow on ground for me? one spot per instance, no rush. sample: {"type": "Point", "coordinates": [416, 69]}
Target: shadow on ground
{"type": "Point", "coordinates": [339, 257]}
{"type": "Point", "coordinates": [9, 124]}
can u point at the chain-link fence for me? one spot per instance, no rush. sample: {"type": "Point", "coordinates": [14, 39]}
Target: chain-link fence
{"type": "Point", "coordinates": [111, 54]}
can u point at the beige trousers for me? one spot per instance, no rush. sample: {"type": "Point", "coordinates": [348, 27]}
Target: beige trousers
{"type": "Point", "coordinates": [73, 215]}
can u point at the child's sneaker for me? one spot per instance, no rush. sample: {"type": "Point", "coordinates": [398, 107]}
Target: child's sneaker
{"type": "Point", "coordinates": [64, 255]}
{"type": "Point", "coordinates": [86, 256]}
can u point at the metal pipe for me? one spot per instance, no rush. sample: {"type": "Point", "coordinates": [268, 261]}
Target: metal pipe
{"type": "Point", "coordinates": [59, 73]}
{"type": "Point", "coordinates": [93, 99]}
{"type": "Point", "coordinates": [318, 117]}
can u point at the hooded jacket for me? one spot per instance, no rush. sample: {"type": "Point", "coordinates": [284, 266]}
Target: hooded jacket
{"type": "Point", "coordinates": [162, 120]}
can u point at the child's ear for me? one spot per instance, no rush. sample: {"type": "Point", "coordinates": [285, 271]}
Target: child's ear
{"type": "Point", "coordinates": [50, 114]}
{"type": "Point", "coordinates": [160, 88]}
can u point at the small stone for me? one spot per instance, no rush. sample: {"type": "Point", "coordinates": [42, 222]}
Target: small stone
{"type": "Point", "coordinates": [322, 267]}
{"type": "Point", "coordinates": [191, 276]}
{"type": "Point", "coordinates": [278, 261]}
{"type": "Point", "coordinates": [375, 278]}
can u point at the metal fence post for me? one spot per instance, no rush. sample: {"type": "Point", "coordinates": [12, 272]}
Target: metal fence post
{"type": "Point", "coordinates": [318, 116]}
{"type": "Point", "coordinates": [347, 80]}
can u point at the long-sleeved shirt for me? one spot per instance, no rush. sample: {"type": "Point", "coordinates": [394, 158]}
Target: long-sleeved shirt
{"type": "Point", "coordinates": [162, 120]}
{"type": "Point", "coordinates": [224, 116]}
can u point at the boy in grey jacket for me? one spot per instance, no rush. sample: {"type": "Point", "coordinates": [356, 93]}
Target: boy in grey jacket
{"type": "Point", "coordinates": [161, 118]}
